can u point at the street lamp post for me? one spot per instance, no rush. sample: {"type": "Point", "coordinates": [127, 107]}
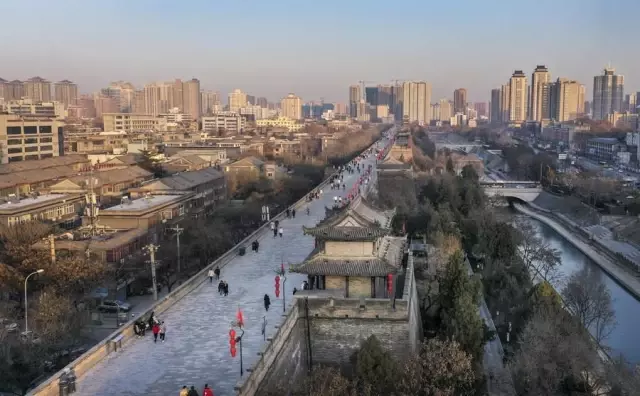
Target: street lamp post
{"type": "Point", "coordinates": [152, 249]}
{"type": "Point", "coordinates": [117, 313]}
{"type": "Point", "coordinates": [178, 231]}
{"type": "Point", "coordinates": [284, 293]}
{"type": "Point", "coordinates": [26, 305]}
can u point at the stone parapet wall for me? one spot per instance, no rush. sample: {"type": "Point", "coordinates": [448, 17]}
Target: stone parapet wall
{"type": "Point", "coordinates": [335, 330]}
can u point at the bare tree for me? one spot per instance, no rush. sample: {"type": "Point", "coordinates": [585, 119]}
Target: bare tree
{"type": "Point", "coordinates": [588, 298]}
{"type": "Point", "coordinates": [539, 256]}
{"type": "Point", "coordinates": [622, 378]}
{"type": "Point", "coordinates": [441, 369]}
{"type": "Point", "coordinates": [553, 350]}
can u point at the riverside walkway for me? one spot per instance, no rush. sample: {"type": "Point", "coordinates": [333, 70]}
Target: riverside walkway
{"type": "Point", "coordinates": [196, 350]}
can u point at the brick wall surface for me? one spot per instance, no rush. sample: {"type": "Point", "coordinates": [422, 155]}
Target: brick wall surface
{"type": "Point", "coordinates": [291, 362]}
{"type": "Point", "coordinates": [334, 340]}
{"type": "Point", "coordinates": [359, 286]}
{"type": "Point", "coordinates": [335, 282]}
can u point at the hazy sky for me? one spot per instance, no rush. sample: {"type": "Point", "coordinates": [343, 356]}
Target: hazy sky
{"type": "Point", "coordinates": [317, 48]}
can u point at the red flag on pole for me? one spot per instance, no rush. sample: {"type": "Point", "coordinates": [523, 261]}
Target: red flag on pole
{"type": "Point", "coordinates": [240, 318]}
{"type": "Point", "coordinates": [282, 268]}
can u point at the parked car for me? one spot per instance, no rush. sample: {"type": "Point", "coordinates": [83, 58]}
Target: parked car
{"type": "Point", "coordinates": [114, 306]}
{"type": "Point", "coordinates": [11, 327]}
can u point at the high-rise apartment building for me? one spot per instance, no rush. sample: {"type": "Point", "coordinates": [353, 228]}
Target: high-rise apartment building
{"type": "Point", "coordinates": [210, 102]}
{"type": "Point", "coordinates": [138, 104]}
{"type": "Point", "coordinates": [291, 107]}
{"type": "Point", "coordinates": [505, 103]}
{"type": "Point", "coordinates": [396, 102]}
{"type": "Point", "coordinates": [262, 102]}
{"type": "Point", "coordinates": [237, 100]}
{"type": "Point", "coordinates": [251, 100]}
{"type": "Point", "coordinates": [87, 106]}
{"type": "Point", "coordinates": [37, 89]}
{"type": "Point", "coordinates": [608, 93]}
{"type": "Point", "coordinates": [630, 102]}
{"type": "Point", "coordinates": [460, 100]}
{"type": "Point", "coordinates": [371, 95]}
{"type": "Point", "coordinates": [518, 97]}
{"type": "Point", "coordinates": [416, 104]}
{"type": "Point", "coordinates": [481, 109]}
{"type": "Point", "coordinates": [355, 95]}
{"type": "Point", "coordinates": [567, 100]}
{"type": "Point", "coordinates": [191, 98]}
{"type": "Point", "coordinates": [446, 110]}
{"type": "Point", "coordinates": [385, 96]}
{"type": "Point", "coordinates": [158, 98]}
{"type": "Point", "coordinates": [123, 93]}
{"type": "Point", "coordinates": [340, 108]}
{"type": "Point", "coordinates": [494, 116]}
{"type": "Point", "coordinates": [105, 104]}
{"type": "Point", "coordinates": [11, 90]}
{"type": "Point", "coordinates": [539, 99]}
{"type": "Point", "coordinates": [177, 94]}
{"type": "Point", "coordinates": [66, 92]}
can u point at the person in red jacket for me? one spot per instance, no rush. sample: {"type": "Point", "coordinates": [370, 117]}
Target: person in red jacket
{"type": "Point", "coordinates": [207, 391]}
{"type": "Point", "coordinates": [155, 329]}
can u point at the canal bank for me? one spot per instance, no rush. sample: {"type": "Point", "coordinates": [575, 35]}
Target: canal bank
{"type": "Point", "coordinates": [621, 275]}
{"type": "Point", "coordinates": [623, 338]}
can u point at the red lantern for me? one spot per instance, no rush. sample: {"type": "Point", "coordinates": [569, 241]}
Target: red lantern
{"type": "Point", "coordinates": [232, 342]}
{"type": "Point", "coordinates": [390, 284]}
{"type": "Point", "coordinates": [277, 286]}
{"type": "Point", "coordinates": [232, 337]}
{"type": "Point", "coordinates": [240, 318]}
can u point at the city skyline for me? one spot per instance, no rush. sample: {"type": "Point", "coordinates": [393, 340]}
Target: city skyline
{"type": "Point", "coordinates": [474, 57]}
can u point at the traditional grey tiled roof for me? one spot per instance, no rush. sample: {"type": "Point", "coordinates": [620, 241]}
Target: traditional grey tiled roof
{"type": "Point", "coordinates": [347, 233]}
{"type": "Point", "coordinates": [371, 213]}
{"type": "Point", "coordinates": [342, 214]}
{"type": "Point", "coordinates": [361, 211]}
{"type": "Point", "coordinates": [392, 249]}
{"type": "Point", "coordinates": [324, 265]}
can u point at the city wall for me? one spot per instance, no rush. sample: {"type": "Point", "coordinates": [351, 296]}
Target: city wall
{"type": "Point", "coordinates": [120, 337]}
{"type": "Point", "coordinates": [332, 332]}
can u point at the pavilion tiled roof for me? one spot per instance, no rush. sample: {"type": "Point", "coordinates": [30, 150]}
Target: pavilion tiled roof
{"type": "Point", "coordinates": [332, 266]}
{"type": "Point", "coordinates": [347, 233]}
{"type": "Point", "coordinates": [361, 211]}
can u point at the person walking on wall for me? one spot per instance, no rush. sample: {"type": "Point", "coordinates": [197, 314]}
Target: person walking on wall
{"type": "Point", "coordinates": [193, 391]}
{"type": "Point", "coordinates": [163, 331]}
{"type": "Point", "coordinates": [281, 231]}
{"type": "Point", "coordinates": [211, 274]}
{"type": "Point", "coordinates": [184, 391]}
{"type": "Point", "coordinates": [207, 391]}
{"type": "Point", "coordinates": [217, 272]}
{"type": "Point", "coordinates": [156, 330]}
{"type": "Point", "coordinates": [267, 302]}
